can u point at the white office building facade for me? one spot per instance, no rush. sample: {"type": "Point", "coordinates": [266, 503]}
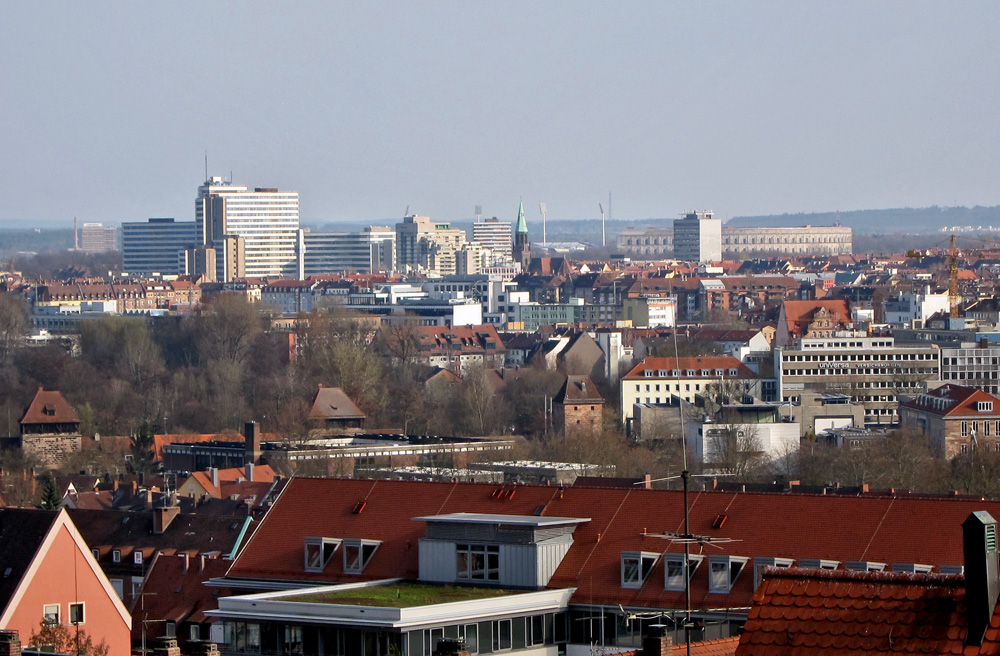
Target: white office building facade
{"type": "Point", "coordinates": [265, 220]}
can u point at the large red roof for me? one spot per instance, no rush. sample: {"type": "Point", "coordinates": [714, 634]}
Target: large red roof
{"type": "Point", "coordinates": [881, 529]}
{"type": "Point", "coordinates": [50, 407]}
{"type": "Point", "coordinates": [685, 364]}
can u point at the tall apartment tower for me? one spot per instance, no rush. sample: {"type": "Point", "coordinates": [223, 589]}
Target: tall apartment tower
{"type": "Point", "coordinates": [98, 238]}
{"type": "Point", "coordinates": [698, 237]}
{"type": "Point", "coordinates": [255, 233]}
{"type": "Point", "coordinates": [495, 235]}
{"type": "Point", "coordinates": [522, 247]}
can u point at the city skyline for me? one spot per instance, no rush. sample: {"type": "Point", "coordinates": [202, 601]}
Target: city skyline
{"type": "Point", "coordinates": [367, 110]}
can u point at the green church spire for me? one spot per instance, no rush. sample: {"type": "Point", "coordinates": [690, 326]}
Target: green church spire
{"type": "Point", "coordinates": [522, 225]}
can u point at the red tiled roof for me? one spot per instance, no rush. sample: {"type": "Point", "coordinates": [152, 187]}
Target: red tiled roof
{"type": "Point", "coordinates": [883, 529]}
{"type": "Point", "coordinates": [697, 363]}
{"type": "Point", "coordinates": [176, 595]}
{"type": "Point", "coordinates": [798, 314]}
{"type": "Point", "coordinates": [837, 612]}
{"type": "Point", "coordinates": [50, 407]}
{"type": "Point", "coordinates": [956, 401]}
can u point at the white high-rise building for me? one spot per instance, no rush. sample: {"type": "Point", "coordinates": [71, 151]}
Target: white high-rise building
{"type": "Point", "coordinates": [98, 238]}
{"type": "Point", "coordinates": [496, 235]}
{"type": "Point", "coordinates": [698, 238]}
{"type": "Point", "coordinates": [264, 223]}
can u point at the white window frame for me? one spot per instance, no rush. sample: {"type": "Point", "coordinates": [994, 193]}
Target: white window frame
{"type": "Point", "coordinates": [52, 617]}
{"type": "Point", "coordinates": [365, 552]}
{"type": "Point", "coordinates": [731, 566]}
{"type": "Point", "coordinates": [116, 556]}
{"type": "Point", "coordinates": [864, 566]}
{"type": "Point", "coordinates": [83, 612]}
{"type": "Point", "coordinates": [633, 576]}
{"type": "Point", "coordinates": [498, 643]}
{"type": "Point", "coordinates": [320, 545]}
{"type": "Point", "coordinates": [672, 560]}
{"type": "Point", "coordinates": [137, 557]}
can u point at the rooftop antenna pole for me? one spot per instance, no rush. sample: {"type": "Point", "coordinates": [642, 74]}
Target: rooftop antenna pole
{"type": "Point", "coordinates": [604, 234]}
{"type": "Point", "coordinates": [479, 212]}
{"type": "Point", "coordinates": [544, 210]}
{"type": "Point", "coordinates": [206, 165]}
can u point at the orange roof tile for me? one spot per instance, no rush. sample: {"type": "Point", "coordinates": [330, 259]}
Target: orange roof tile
{"type": "Point", "coordinates": [50, 407]}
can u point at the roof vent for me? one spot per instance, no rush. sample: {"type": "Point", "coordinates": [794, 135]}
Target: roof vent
{"type": "Point", "coordinates": [359, 507]}
{"type": "Point", "coordinates": [979, 536]}
{"type": "Point", "coordinates": [720, 521]}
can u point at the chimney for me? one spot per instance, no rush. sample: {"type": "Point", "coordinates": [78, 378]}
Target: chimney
{"type": "Point", "coordinates": [10, 643]}
{"type": "Point", "coordinates": [162, 518]}
{"type": "Point", "coordinates": [979, 537]}
{"type": "Point", "coordinates": [184, 557]}
{"type": "Point", "coordinates": [249, 472]}
{"type": "Point", "coordinates": [656, 642]}
{"type": "Point", "coordinates": [214, 473]}
{"type": "Point", "coordinates": [251, 432]}
{"type": "Point", "coordinates": [201, 563]}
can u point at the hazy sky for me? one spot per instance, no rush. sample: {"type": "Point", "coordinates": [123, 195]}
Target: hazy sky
{"type": "Point", "coordinates": [366, 108]}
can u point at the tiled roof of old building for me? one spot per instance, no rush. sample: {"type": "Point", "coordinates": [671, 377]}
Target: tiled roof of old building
{"type": "Point", "coordinates": [50, 407]}
{"type": "Point", "coordinates": [833, 613]}
{"type": "Point", "coordinates": [884, 529]}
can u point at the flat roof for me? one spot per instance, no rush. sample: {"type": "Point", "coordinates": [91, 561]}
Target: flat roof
{"type": "Point", "coordinates": [510, 520]}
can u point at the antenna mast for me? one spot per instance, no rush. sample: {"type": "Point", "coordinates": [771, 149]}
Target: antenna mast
{"type": "Point", "coordinates": [206, 165]}
{"type": "Point", "coordinates": [544, 210]}
{"type": "Point", "coordinates": [479, 212]}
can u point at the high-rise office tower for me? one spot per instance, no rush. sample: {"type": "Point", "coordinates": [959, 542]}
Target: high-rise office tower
{"type": "Point", "coordinates": [698, 237]}
{"type": "Point", "coordinates": [156, 246]}
{"type": "Point", "coordinates": [370, 251]}
{"type": "Point", "coordinates": [255, 233]}
{"type": "Point", "coordinates": [495, 235]}
{"type": "Point", "coordinates": [522, 247]}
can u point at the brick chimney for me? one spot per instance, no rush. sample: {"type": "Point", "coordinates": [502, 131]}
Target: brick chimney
{"type": "Point", "coordinates": [656, 642]}
{"type": "Point", "coordinates": [10, 643]}
{"type": "Point", "coordinates": [251, 432]}
{"type": "Point", "coordinates": [163, 516]}
{"type": "Point", "coordinates": [167, 647]}
{"type": "Point", "coordinates": [982, 585]}
{"type": "Point", "coordinates": [249, 471]}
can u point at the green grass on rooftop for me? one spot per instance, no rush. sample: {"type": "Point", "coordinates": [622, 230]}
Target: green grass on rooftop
{"type": "Point", "coordinates": [401, 595]}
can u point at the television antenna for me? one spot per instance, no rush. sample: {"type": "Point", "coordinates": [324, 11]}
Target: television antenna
{"type": "Point", "coordinates": [544, 210]}
{"type": "Point", "coordinates": [479, 212]}
{"type": "Point", "coordinates": [407, 212]}
{"type": "Point", "coordinates": [604, 234]}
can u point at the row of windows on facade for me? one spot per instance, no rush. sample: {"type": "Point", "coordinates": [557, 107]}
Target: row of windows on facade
{"type": "Point", "coordinates": [860, 357]}
{"type": "Point", "coordinates": [52, 613]}
{"type": "Point", "coordinates": [116, 556]}
{"type": "Point", "coordinates": [860, 371]}
{"type": "Point", "coordinates": [690, 373]}
{"type": "Point", "coordinates": [724, 570]}
{"type": "Point", "coordinates": [479, 637]}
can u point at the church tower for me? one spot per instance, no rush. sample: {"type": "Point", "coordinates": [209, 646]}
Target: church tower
{"type": "Point", "coordinates": [522, 247]}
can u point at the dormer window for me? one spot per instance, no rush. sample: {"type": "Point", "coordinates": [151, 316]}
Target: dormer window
{"type": "Point", "coordinates": [116, 556]}
{"type": "Point", "coordinates": [648, 373]}
{"type": "Point", "coordinates": [818, 563]}
{"type": "Point", "coordinates": [706, 373]}
{"type": "Point", "coordinates": [318, 552]}
{"type": "Point", "coordinates": [636, 566]}
{"type": "Point", "coordinates": [984, 406]}
{"type": "Point", "coordinates": [723, 572]}
{"type": "Point", "coordinates": [864, 566]}
{"type": "Point", "coordinates": [689, 372]}
{"type": "Point", "coordinates": [912, 568]}
{"type": "Point", "coordinates": [137, 558]}
{"type": "Point", "coordinates": [734, 372]}
{"type": "Point", "coordinates": [759, 564]}
{"type": "Point", "coordinates": [674, 569]}
{"type": "Point", "coordinates": [676, 373]}
{"type": "Point", "coordinates": [719, 372]}
{"type": "Point", "coordinates": [358, 553]}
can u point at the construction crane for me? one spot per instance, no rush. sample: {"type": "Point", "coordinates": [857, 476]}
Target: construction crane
{"type": "Point", "coordinates": [952, 259]}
